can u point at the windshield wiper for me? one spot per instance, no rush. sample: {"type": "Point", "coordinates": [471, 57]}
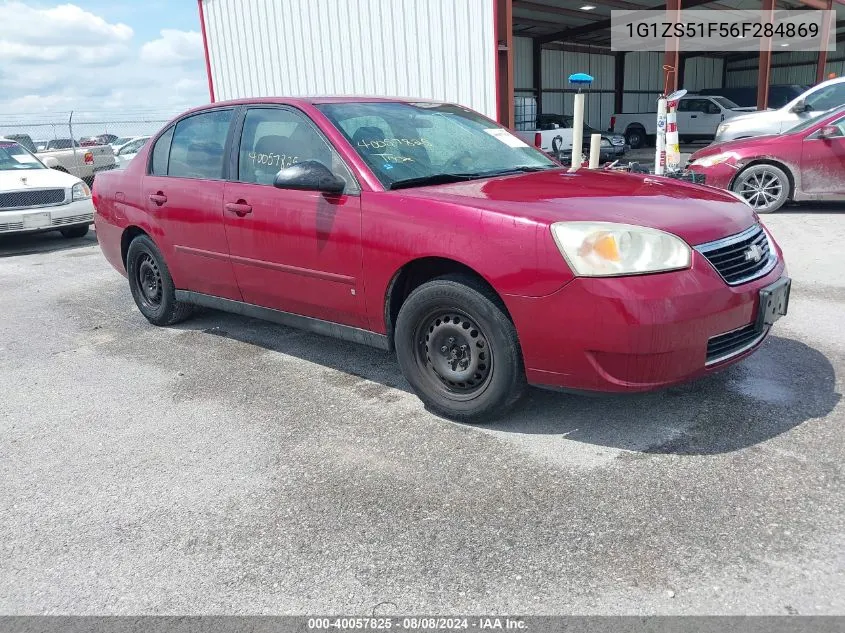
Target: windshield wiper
{"type": "Point", "coordinates": [442, 179]}
{"type": "Point", "coordinates": [434, 179]}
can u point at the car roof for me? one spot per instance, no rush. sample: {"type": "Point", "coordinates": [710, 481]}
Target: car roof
{"type": "Point", "coordinates": [317, 100]}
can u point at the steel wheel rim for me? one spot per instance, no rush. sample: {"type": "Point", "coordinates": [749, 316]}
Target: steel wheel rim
{"type": "Point", "coordinates": [761, 189]}
{"type": "Point", "coordinates": [148, 277]}
{"type": "Point", "coordinates": [453, 354]}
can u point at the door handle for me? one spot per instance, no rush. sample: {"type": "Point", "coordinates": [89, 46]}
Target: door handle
{"type": "Point", "coordinates": [693, 116]}
{"type": "Point", "coordinates": [239, 208]}
{"type": "Point", "coordinates": [159, 198]}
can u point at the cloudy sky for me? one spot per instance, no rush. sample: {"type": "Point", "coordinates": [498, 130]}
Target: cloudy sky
{"type": "Point", "coordinates": [100, 55]}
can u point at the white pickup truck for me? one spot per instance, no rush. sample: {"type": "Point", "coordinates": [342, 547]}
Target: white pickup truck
{"type": "Point", "coordinates": [65, 154]}
{"type": "Point", "coordinates": [698, 117]}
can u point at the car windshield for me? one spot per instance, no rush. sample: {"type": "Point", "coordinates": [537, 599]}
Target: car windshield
{"type": "Point", "coordinates": [725, 103]}
{"type": "Point", "coordinates": [123, 140]}
{"type": "Point", "coordinates": [806, 125]}
{"type": "Point", "coordinates": [416, 144]}
{"type": "Point", "coordinates": [15, 157]}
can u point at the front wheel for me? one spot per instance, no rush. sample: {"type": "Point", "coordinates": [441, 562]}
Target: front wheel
{"type": "Point", "coordinates": [459, 350]}
{"type": "Point", "coordinates": [764, 187]}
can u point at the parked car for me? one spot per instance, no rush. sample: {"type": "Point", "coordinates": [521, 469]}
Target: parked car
{"type": "Point", "coordinates": [805, 163]}
{"type": "Point", "coordinates": [34, 198]}
{"type": "Point", "coordinates": [559, 126]}
{"type": "Point", "coordinates": [820, 98]}
{"type": "Point", "coordinates": [697, 116]}
{"type": "Point", "coordinates": [128, 150]}
{"type": "Point", "coordinates": [84, 162]}
{"type": "Point", "coordinates": [428, 229]}
{"type": "Point", "coordinates": [100, 139]}
{"type": "Point", "coordinates": [779, 94]}
{"type": "Point", "coordinates": [119, 142]}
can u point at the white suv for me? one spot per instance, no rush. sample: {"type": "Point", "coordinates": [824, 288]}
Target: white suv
{"type": "Point", "coordinates": [34, 198]}
{"type": "Point", "coordinates": [818, 99]}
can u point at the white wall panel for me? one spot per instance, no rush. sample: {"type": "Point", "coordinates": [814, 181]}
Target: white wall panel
{"type": "Point", "coordinates": [702, 72]}
{"type": "Point", "coordinates": [438, 49]}
{"type": "Point", "coordinates": [523, 62]}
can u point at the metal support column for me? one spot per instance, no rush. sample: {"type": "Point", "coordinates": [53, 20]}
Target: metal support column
{"type": "Point", "coordinates": [764, 67]}
{"type": "Point", "coordinates": [538, 74]}
{"type": "Point", "coordinates": [618, 82]}
{"type": "Point", "coordinates": [671, 57]}
{"type": "Point", "coordinates": [504, 59]}
{"type": "Point", "coordinates": [825, 34]}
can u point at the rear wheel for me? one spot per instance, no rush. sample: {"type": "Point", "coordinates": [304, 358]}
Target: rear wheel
{"type": "Point", "coordinates": [635, 137]}
{"type": "Point", "coordinates": [763, 186]}
{"type": "Point", "coordinates": [151, 284]}
{"type": "Point", "coordinates": [75, 231]}
{"type": "Point", "coordinates": [459, 350]}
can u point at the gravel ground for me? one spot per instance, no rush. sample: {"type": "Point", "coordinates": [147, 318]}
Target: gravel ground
{"type": "Point", "coordinates": [231, 466]}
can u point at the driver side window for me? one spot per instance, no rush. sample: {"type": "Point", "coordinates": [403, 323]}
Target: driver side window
{"type": "Point", "coordinates": [826, 98]}
{"type": "Point", "coordinates": [275, 138]}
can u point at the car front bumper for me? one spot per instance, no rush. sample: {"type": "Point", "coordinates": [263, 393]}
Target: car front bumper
{"type": "Point", "coordinates": [635, 333]}
{"type": "Point", "coordinates": [52, 218]}
{"type": "Point", "coordinates": [720, 175]}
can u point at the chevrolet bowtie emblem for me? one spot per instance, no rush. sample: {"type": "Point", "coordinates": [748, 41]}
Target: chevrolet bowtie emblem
{"type": "Point", "coordinates": [754, 253]}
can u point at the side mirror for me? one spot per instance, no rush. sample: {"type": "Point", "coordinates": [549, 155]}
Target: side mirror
{"type": "Point", "coordinates": [829, 131]}
{"type": "Point", "coordinates": [309, 175]}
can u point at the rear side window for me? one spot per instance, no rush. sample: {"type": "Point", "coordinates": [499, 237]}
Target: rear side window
{"type": "Point", "coordinates": [196, 150]}
{"type": "Point", "coordinates": [161, 153]}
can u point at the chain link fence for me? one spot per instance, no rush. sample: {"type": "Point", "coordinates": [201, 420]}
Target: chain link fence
{"type": "Point", "coordinates": [81, 144]}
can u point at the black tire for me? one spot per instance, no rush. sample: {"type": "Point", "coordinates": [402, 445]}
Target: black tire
{"type": "Point", "coordinates": [75, 231]}
{"type": "Point", "coordinates": [765, 187]}
{"type": "Point", "coordinates": [635, 137]}
{"type": "Point", "coordinates": [477, 372]}
{"type": "Point", "coordinates": [151, 284]}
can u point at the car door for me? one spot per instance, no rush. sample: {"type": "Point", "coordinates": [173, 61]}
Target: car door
{"type": "Point", "coordinates": [696, 118]}
{"type": "Point", "coordinates": [819, 100]}
{"type": "Point", "coordinates": [292, 250]}
{"type": "Point", "coordinates": [183, 192]}
{"type": "Point", "coordinates": [823, 162]}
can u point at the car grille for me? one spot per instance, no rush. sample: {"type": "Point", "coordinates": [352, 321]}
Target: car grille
{"type": "Point", "coordinates": [741, 257]}
{"type": "Point", "coordinates": [31, 198]}
{"type": "Point", "coordinates": [10, 226]}
{"type": "Point", "coordinates": [74, 219]}
{"type": "Point", "coordinates": [725, 346]}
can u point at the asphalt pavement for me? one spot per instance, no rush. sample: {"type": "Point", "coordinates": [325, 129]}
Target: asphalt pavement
{"type": "Point", "coordinates": [228, 465]}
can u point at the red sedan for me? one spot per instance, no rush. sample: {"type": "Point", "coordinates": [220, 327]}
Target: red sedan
{"type": "Point", "coordinates": [427, 229]}
{"type": "Point", "coordinates": [807, 162]}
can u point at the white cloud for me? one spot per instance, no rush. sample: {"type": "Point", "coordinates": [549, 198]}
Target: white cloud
{"type": "Point", "coordinates": [173, 48]}
{"type": "Point", "coordinates": [59, 58]}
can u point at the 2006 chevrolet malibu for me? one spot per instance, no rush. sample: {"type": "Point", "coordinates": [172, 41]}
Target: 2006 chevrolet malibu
{"type": "Point", "coordinates": [427, 229]}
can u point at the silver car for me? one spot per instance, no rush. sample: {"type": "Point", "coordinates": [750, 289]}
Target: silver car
{"type": "Point", "coordinates": [819, 98]}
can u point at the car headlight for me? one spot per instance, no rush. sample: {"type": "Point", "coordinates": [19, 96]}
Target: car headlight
{"type": "Point", "coordinates": [605, 249]}
{"type": "Point", "coordinates": [722, 128]}
{"type": "Point", "coordinates": [715, 159]}
{"type": "Point", "coordinates": [80, 191]}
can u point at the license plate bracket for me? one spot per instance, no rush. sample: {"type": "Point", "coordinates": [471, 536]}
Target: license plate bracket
{"type": "Point", "coordinates": [36, 220]}
{"type": "Point", "coordinates": [774, 302]}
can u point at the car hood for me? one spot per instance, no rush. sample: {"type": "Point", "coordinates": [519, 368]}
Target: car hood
{"type": "Point", "coordinates": [22, 179]}
{"type": "Point", "coordinates": [759, 116]}
{"type": "Point", "coordinates": [739, 145]}
{"type": "Point", "coordinates": [695, 213]}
